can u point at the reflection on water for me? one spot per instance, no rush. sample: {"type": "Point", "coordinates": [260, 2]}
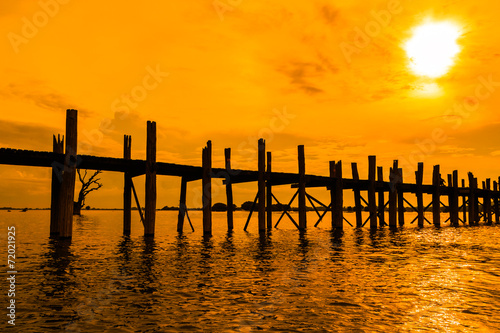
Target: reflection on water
{"type": "Point", "coordinates": [406, 279]}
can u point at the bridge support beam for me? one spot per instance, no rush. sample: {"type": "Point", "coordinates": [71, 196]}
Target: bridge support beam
{"type": "Point", "coordinates": [269, 193]}
{"type": "Point", "coordinates": [436, 196]}
{"type": "Point", "coordinates": [207, 188]}
{"type": "Point", "coordinates": [372, 205]}
{"type": "Point", "coordinates": [401, 201]}
{"type": "Point", "coordinates": [393, 195]}
{"type": "Point", "coordinates": [381, 198]}
{"type": "Point", "coordinates": [357, 196]}
{"type": "Point", "coordinates": [67, 193]}
{"type": "Point", "coordinates": [182, 205]}
{"type": "Point", "coordinates": [229, 190]}
{"type": "Point", "coordinates": [302, 188]}
{"type": "Point", "coordinates": [337, 194]}
{"type": "Point", "coordinates": [127, 187]}
{"type": "Point", "coordinates": [57, 176]}
{"type": "Point", "coordinates": [454, 206]}
{"type": "Point", "coordinates": [487, 202]}
{"type": "Point", "coordinates": [419, 174]}
{"type": "Point", "coordinates": [261, 183]}
{"type": "Point", "coordinates": [150, 211]}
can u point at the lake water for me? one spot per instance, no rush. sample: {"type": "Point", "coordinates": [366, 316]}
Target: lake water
{"type": "Point", "coordinates": [407, 280]}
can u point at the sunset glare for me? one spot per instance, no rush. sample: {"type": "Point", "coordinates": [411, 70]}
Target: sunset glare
{"type": "Point", "coordinates": [432, 48]}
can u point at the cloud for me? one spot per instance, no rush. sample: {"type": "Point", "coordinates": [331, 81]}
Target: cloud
{"type": "Point", "coordinates": [26, 136]}
{"type": "Point", "coordinates": [329, 13]}
{"type": "Point", "coordinates": [302, 74]}
{"type": "Point", "coordinates": [42, 96]}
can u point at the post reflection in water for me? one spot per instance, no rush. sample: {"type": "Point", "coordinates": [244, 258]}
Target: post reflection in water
{"type": "Point", "coordinates": [147, 279]}
{"type": "Point", "coordinates": [58, 278]}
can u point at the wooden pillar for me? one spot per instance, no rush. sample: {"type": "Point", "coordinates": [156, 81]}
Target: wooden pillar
{"type": "Point", "coordinates": [357, 196]}
{"type": "Point", "coordinates": [436, 196]}
{"type": "Point", "coordinates": [454, 207]}
{"type": "Point", "coordinates": [269, 193]}
{"type": "Point", "coordinates": [338, 198]}
{"type": "Point", "coordinates": [401, 207]}
{"type": "Point", "coordinates": [150, 208]}
{"type": "Point", "coordinates": [262, 184]}
{"type": "Point", "coordinates": [476, 202]}
{"type": "Point", "coordinates": [372, 205]}
{"type": "Point", "coordinates": [464, 204]}
{"type": "Point", "coordinates": [67, 193]}
{"type": "Point", "coordinates": [484, 202]}
{"type": "Point", "coordinates": [302, 188]}
{"type": "Point", "coordinates": [472, 200]}
{"type": "Point", "coordinates": [207, 188]}
{"type": "Point", "coordinates": [127, 187]}
{"type": "Point", "coordinates": [419, 174]}
{"type": "Point", "coordinates": [450, 198]}
{"type": "Point", "coordinates": [496, 208]}
{"type": "Point", "coordinates": [487, 202]}
{"type": "Point", "coordinates": [331, 168]}
{"type": "Point", "coordinates": [393, 195]}
{"type": "Point", "coordinates": [182, 205]}
{"type": "Point", "coordinates": [381, 197]}
{"type": "Point", "coordinates": [57, 177]}
{"type": "Point", "coordinates": [229, 190]}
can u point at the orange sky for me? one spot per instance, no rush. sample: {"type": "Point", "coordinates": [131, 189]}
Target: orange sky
{"type": "Point", "coordinates": [243, 69]}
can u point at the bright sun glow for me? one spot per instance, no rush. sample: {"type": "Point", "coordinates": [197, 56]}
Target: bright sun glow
{"type": "Point", "coordinates": [432, 48]}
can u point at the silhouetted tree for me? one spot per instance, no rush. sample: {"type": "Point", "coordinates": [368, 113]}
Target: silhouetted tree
{"type": "Point", "coordinates": [219, 207]}
{"type": "Point", "coordinates": [280, 207]}
{"type": "Point", "coordinates": [88, 185]}
{"type": "Point", "coordinates": [247, 205]}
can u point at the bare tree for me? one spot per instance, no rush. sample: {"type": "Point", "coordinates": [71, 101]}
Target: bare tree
{"type": "Point", "coordinates": [88, 185]}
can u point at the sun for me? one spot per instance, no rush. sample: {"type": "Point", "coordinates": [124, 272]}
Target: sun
{"type": "Point", "coordinates": [432, 48]}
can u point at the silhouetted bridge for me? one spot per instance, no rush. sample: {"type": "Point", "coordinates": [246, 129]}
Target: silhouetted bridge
{"type": "Point", "coordinates": [64, 161]}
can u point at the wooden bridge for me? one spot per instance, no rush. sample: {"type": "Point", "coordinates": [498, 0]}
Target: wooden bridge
{"type": "Point", "coordinates": [476, 204]}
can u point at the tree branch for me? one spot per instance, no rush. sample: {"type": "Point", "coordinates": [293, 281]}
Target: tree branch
{"type": "Point", "coordinates": [88, 185]}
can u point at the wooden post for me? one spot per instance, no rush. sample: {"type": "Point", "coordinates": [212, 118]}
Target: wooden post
{"type": "Point", "coordinates": [269, 193]}
{"type": "Point", "coordinates": [67, 193]}
{"type": "Point", "coordinates": [454, 207]}
{"type": "Point", "coordinates": [150, 208]}
{"type": "Point", "coordinates": [357, 196]}
{"type": "Point", "coordinates": [337, 197]}
{"type": "Point", "coordinates": [229, 190]}
{"type": "Point", "coordinates": [381, 198]}
{"type": "Point", "coordinates": [496, 208]}
{"type": "Point", "coordinates": [420, 199]}
{"type": "Point", "coordinates": [182, 205]}
{"type": "Point", "coordinates": [57, 177]}
{"type": "Point", "coordinates": [487, 202]}
{"type": "Point", "coordinates": [476, 202]}
{"type": "Point", "coordinates": [464, 203]}
{"type": "Point", "coordinates": [127, 187]}
{"type": "Point", "coordinates": [207, 188]}
{"type": "Point", "coordinates": [331, 168]}
{"type": "Point", "coordinates": [372, 205]}
{"type": "Point", "coordinates": [450, 198]}
{"type": "Point", "coordinates": [393, 195]}
{"type": "Point", "coordinates": [436, 196]}
{"type": "Point", "coordinates": [472, 200]}
{"type": "Point", "coordinates": [262, 184]}
{"type": "Point", "coordinates": [401, 207]}
{"type": "Point", "coordinates": [302, 188]}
